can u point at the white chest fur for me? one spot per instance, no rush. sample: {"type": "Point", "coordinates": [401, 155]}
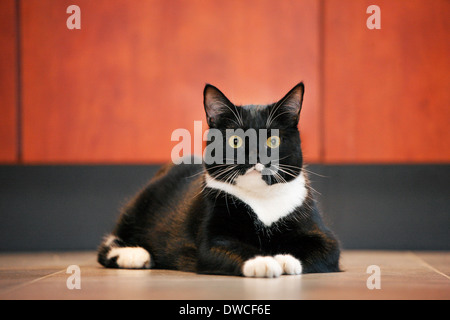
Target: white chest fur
{"type": "Point", "coordinates": [270, 203]}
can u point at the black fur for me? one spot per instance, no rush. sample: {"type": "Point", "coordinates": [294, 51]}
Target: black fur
{"type": "Point", "coordinates": [185, 225]}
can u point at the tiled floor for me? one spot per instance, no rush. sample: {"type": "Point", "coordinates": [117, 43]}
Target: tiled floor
{"type": "Point", "coordinates": [404, 275]}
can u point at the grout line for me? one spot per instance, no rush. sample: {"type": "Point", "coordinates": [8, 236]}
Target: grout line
{"type": "Point", "coordinates": [85, 261]}
{"type": "Point", "coordinates": [321, 19]}
{"type": "Point", "coordinates": [429, 265]}
{"type": "Point", "coordinates": [19, 142]}
{"type": "Point", "coordinates": [9, 290]}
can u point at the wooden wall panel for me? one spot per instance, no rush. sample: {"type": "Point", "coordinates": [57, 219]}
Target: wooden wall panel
{"type": "Point", "coordinates": [8, 82]}
{"type": "Point", "coordinates": [116, 89]}
{"type": "Point", "coordinates": [386, 92]}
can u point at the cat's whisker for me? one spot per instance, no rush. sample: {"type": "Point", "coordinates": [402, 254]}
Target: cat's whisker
{"type": "Point", "coordinates": [288, 173]}
{"type": "Point", "coordinates": [314, 190]}
{"type": "Point", "coordinates": [235, 176]}
{"type": "Point", "coordinates": [227, 178]}
{"type": "Point", "coordinates": [285, 157]}
{"type": "Point", "coordinates": [211, 167]}
{"type": "Point", "coordinates": [288, 165]}
{"type": "Point", "coordinates": [285, 166]}
{"type": "Point", "coordinates": [224, 171]}
{"type": "Point", "coordinates": [316, 174]}
{"type": "Point", "coordinates": [284, 170]}
{"type": "Point", "coordinates": [202, 189]}
{"type": "Point", "coordinates": [292, 170]}
{"type": "Point", "coordinates": [277, 176]}
{"type": "Point", "coordinates": [304, 168]}
{"type": "Point", "coordinates": [201, 172]}
{"type": "Point", "coordinates": [195, 174]}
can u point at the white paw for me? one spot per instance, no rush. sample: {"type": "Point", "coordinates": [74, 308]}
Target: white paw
{"type": "Point", "coordinates": [131, 257]}
{"type": "Point", "coordinates": [289, 264]}
{"type": "Point", "coordinates": [262, 267]}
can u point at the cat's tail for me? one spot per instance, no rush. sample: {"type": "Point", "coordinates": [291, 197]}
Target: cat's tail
{"type": "Point", "coordinates": [114, 253]}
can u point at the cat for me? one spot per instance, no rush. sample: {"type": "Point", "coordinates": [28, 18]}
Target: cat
{"type": "Point", "coordinates": [229, 218]}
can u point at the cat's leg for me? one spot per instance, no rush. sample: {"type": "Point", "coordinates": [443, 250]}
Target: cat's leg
{"type": "Point", "coordinates": [229, 262]}
{"type": "Point", "coordinates": [317, 255]}
{"type": "Point", "coordinates": [226, 261]}
{"type": "Point", "coordinates": [232, 257]}
{"type": "Point", "coordinates": [328, 262]}
{"type": "Point", "coordinates": [114, 253]}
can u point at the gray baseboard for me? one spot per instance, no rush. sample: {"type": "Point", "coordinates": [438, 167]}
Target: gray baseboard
{"type": "Point", "coordinates": [368, 206]}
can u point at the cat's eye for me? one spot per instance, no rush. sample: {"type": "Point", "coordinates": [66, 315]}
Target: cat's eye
{"type": "Point", "coordinates": [235, 141]}
{"type": "Point", "coordinates": [273, 142]}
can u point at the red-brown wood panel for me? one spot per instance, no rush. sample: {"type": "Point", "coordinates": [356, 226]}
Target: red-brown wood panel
{"type": "Point", "coordinates": [8, 82]}
{"type": "Point", "coordinates": [116, 89]}
{"type": "Point", "coordinates": [386, 92]}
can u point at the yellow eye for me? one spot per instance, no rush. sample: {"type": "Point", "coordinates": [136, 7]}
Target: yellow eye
{"type": "Point", "coordinates": [273, 142]}
{"type": "Point", "coordinates": [235, 142]}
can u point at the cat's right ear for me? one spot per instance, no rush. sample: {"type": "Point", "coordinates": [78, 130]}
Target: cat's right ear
{"type": "Point", "coordinates": [216, 104]}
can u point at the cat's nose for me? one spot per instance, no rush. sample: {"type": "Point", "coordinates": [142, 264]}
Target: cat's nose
{"type": "Point", "coordinates": [259, 167]}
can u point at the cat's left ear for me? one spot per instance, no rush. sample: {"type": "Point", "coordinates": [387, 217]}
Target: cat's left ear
{"type": "Point", "coordinates": [289, 107]}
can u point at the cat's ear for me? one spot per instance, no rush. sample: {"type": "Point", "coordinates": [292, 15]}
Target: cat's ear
{"type": "Point", "coordinates": [289, 107]}
{"type": "Point", "coordinates": [216, 104]}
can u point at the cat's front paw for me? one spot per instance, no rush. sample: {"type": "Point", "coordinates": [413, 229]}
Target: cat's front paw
{"type": "Point", "coordinates": [131, 257]}
{"type": "Point", "coordinates": [262, 267]}
{"type": "Point", "coordinates": [289, 264]}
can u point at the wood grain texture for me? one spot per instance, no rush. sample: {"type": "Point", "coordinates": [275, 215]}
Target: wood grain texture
{"type": "Point", "coordinates": [116, 89]}
{"type": "Point", "coordinates": [8, 82]}
{"type": "Point", "coordinates": [386, 94]}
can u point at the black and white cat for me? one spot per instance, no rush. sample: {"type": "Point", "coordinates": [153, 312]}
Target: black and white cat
{"type": "Point", "coordinates": [230, 218]}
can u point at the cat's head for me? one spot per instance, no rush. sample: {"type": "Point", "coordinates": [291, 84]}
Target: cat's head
{"type": "Point", "coordinates": [257, 140]}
